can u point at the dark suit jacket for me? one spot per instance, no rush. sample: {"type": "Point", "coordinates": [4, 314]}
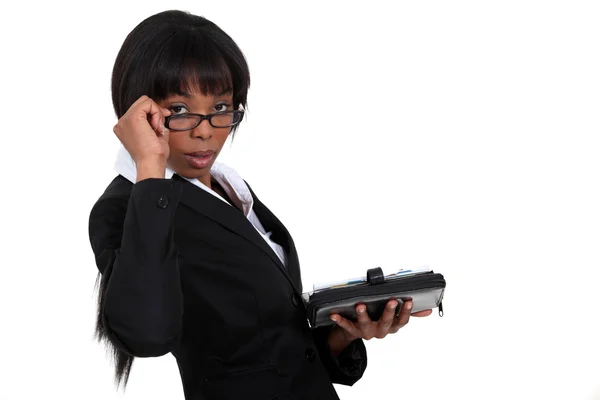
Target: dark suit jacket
{"type": "Point", "coordinates": [189, 274]}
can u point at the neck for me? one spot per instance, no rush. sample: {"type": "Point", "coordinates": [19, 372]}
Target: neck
{"type": "Point", "coordinates": [205, 180]}
{"type": "Point", "coordinates": [219, 189]}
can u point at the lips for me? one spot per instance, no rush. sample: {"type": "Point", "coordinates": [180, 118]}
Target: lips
{"type": "Point", "coordinates": [201, 153]}
{"type": "Point", "coordinates": [200, 159]}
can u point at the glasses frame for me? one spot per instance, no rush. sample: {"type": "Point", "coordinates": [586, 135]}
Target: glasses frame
{"type": "Point", "coordinates": [203, 117]}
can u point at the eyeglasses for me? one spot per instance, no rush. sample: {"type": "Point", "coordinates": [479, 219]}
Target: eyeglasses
{"type": "Point", "coordinates": [187, 121]}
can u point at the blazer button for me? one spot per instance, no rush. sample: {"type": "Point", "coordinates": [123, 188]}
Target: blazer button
{"type": "Point", "coordinates": [296, 300]}
{"type": "Point", "coordinates": [310, 355]}
{"type": "Point", "coordinates": [162, 202]}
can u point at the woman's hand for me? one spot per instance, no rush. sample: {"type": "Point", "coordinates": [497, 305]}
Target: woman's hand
{"type": "Point", "coordinates": [347, 331]}
{"type": "Point", "coordinates": [142, 132]}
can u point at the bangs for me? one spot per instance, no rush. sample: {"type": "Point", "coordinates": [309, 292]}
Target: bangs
{"type": "Point", "coordinates": [192, 63]}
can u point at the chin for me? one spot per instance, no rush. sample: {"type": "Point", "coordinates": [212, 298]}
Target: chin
{"type": "Point", "coordinates": [191, 173]}
{"type": "Point", "coordinates": [183, 168]}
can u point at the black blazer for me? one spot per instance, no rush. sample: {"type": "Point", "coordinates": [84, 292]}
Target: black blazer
{"type": "Point", "coordinates": [188, 274]}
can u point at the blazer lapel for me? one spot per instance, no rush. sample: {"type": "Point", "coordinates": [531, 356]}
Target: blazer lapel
{"type": "Point", "coordinates": [230, 218]}
{"type": "Point", "coordinates": [281, 236]}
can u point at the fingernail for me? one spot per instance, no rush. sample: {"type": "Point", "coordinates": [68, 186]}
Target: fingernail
{"type": "Point", "coordinates": [334, 318]}
{"type": "Point", "coordinates": [409, 305]}
{"type": "Point", "coordinates": [393, 305]}
{"type": "Point", "coordinates": [361, 310]}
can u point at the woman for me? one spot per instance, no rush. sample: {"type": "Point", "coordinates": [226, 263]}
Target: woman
{"type": "Point", "coordinates": [191, 261]}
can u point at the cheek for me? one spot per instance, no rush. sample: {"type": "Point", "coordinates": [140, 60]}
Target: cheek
{"type": "Point", "coordinates": [221, 137]}
{"type": "Point", "coordinates": [179, 144]}
{"type": "Point", "coordinates": [176, 143]}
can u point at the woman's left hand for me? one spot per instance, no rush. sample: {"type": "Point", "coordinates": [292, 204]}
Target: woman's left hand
{"type": "Point", "coordinates": [367, 329]}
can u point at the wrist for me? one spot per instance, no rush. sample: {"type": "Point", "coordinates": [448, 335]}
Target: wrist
{"type": "Point", "coordinates": [150, 168]}
{"type": "Point", "coordinates": [338, 340]}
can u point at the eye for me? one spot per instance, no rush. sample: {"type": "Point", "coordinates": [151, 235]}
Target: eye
{"type": "Point", "coordinates": [176, 109]}
{"type": "Point", "coordinates": [222, 107]}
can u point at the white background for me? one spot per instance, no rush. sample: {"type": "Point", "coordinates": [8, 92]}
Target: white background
{"type": "Point", "coordinates": [462, 135]}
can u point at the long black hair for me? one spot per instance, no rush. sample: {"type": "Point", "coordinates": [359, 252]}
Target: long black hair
{"type": "Point", "coordinates": [167, 53]}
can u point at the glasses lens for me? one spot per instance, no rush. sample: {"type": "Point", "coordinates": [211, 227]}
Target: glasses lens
{"type": "Point", "coordinates": [226, 119]}
{"type": "Point", "coordinates": [183, 121]}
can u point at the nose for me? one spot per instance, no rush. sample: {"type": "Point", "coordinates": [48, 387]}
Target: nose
{"type": "Point", "coordinates": [203, 131]}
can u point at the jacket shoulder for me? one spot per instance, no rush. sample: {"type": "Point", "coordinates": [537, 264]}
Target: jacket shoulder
{"type": "Point", "coordinates": [118, 187]}
{"type": "Point", "coordinates": [108, 212]}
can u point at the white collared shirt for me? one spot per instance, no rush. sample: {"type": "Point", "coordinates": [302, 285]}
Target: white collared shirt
{"type": "Point", "coordinates": [228, 178]}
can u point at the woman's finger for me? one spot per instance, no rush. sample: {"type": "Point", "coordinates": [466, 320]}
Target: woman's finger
{"type": "Point", "coordinates": [346, 325]}
{"type": "Point", "coordinates": [151, 111]}
{"type": "Point", "coordinates": [387, 318]}
{"type": "Point", "coordinates": [363, 319]}
{"type": "Point", "coordinates": [423, 313]}
{"type": "Point", "coordinates": [164, 113]}
{"type": "Point", "coordinates": [404, 316]}
{"type": "Point", "coordinates": [156, 119]}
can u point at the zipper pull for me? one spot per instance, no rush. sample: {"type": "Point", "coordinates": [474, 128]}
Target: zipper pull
{"type": "Point", "coordinates": [441, 310]}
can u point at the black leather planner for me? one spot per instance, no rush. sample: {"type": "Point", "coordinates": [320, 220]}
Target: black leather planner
{"type": "Point", "coordinates": [426, 290]}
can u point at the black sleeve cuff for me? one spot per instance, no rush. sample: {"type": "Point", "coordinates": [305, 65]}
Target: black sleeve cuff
{"type": "Point", "coordinates": [349, 366]}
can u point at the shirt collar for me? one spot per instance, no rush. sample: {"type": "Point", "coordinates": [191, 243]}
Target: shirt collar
{"type": "Point", "coordinates": [228, 178]}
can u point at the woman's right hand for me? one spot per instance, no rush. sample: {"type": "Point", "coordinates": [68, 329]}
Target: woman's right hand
{"type": "Point", "coordinates": [141, 131]}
